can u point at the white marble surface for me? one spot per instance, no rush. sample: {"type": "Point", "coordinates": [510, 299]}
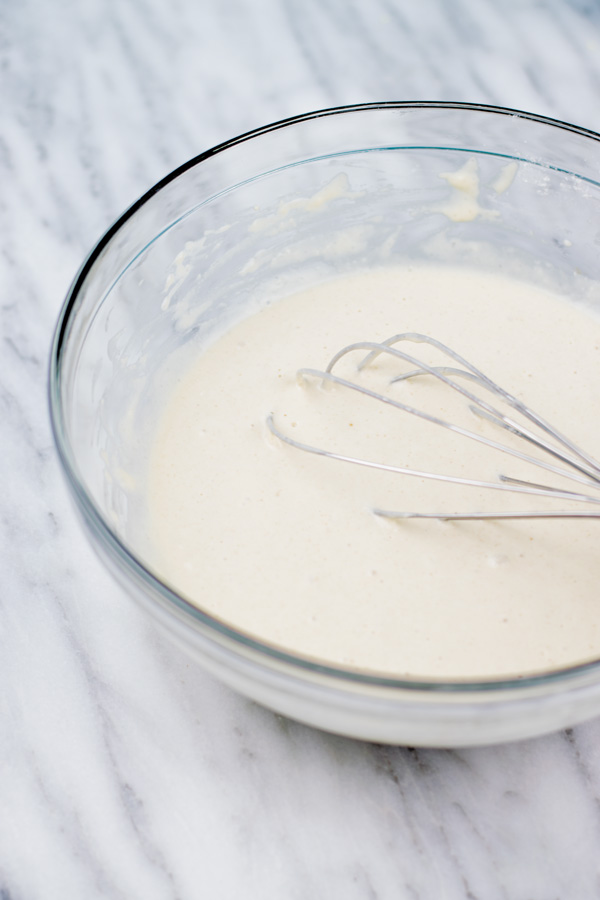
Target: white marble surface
{"type": "Point", "coordinates": [124, 771]}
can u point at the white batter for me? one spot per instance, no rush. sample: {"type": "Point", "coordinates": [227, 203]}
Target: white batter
{"type": "Point", "coordinates": [285, 546]}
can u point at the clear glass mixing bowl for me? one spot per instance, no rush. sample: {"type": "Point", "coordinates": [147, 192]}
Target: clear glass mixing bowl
{"type": "Point", "coordinates": [231, 228]}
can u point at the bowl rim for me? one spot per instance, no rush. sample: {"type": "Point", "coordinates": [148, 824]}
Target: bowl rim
{"type": "Point", "coordinates": [128, 561]}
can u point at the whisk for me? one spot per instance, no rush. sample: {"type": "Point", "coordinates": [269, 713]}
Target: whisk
{"type": "Point", "coordinates": [569, 460]}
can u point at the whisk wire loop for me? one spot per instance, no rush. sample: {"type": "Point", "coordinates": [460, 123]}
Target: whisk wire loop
{"type": "Point", "coordinates": [586, 469]}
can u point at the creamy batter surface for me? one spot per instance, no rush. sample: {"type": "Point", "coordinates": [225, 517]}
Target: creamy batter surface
{"type": "Point", "coordinates": [285, 546]}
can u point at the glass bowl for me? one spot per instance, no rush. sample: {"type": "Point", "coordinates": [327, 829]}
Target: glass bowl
{"type": "Point", "coordinates": [231, 228]}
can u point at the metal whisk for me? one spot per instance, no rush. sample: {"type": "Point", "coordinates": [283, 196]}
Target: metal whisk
{"type": "Point", "coordinates": [574, 463]}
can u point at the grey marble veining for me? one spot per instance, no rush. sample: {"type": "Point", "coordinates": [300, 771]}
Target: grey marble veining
{"type": "Point", "coordinates": [124, 771]}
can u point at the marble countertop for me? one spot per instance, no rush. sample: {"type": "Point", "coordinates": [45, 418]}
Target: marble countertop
{"type": "Point", "coordinates": [125, 772]}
